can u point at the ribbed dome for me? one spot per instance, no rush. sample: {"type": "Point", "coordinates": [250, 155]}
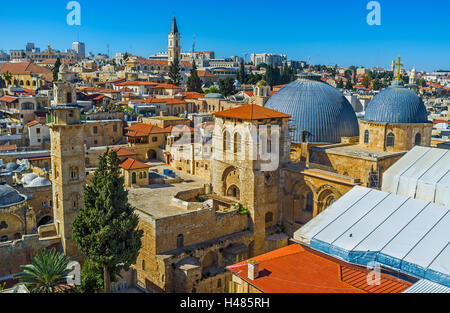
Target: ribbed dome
{"type": "Point", "coordinates": [317, 108]}
{"type": "Point", "coordinates": [28, 178]}
{"type": "Point", "coordinates": [39, 182]}
{"type": "Point", "coordinates": [9, 196]}
{"type": "Point", "coordinates": [396, 104]}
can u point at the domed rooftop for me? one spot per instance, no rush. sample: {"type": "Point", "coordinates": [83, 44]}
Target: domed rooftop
{"type": "Point", "coordinates": [39, 182]}
{"type": "Point", "coordinates": [11, 166]}
{"type": "Point", "coordinates": [213, 95]}
{"type": "Point", "coordinates": [9, 196]}
{"type": "Point", "coordinates": [28, 178]}
{"type": "Point", "coordinates": [317, 108]}
{"type": "Point", "coordinates": [396, 104]}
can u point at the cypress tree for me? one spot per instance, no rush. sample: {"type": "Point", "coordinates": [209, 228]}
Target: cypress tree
{"type": "Point", "coordinates": [105, 230]}
{"type": "Point", "coordinates": [174, 72]}
{"type": "Point", "coordinates": [56, 69]}
{"type": "Point", "coordinates": [194, 83]}
{"type": "Point", "coordinates": [242, 77]}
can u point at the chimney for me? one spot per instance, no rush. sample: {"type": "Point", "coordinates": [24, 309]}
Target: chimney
{"type": "Point", "coordinates": [253, 269]}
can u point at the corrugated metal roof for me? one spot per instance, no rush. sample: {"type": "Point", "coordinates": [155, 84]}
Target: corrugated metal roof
{"type": "Point", "coordinates": [422, 173]}
{"type": "Point", "coordinates": [426, 286]}
{"type": "Point", "coordinates": [365, 225]}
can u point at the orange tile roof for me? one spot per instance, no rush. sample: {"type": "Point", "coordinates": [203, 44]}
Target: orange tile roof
{"type": "Point", "coordinates": [8, 99]}
{"type": "Point", "coordinates": [32, 123]}
{"type": "Point", "coordinates": [8, 147]}
{"type": "Point", "coordinates": [136, 83]}
{"type": "Point", "coordinates": [132, 164]}
{"type": "Point", "coordinates": [122, 152]}
{"type": "Point", "coordinates": [205, 73]}
{"type": "Point", "coordinates": [193, 95]}
{"type": "Point", "coordinates": [179, 128]}
{"type": "Point", "coordinates": [27, 68]}
{"type": "Point", "coordinates": [251, 112]}
{"type": "Point", "coordinates": [142, 129]}
{"type": "Point", "coordinates": [167, 86]}
{"type": "Point", "coordinates": [297, 269]}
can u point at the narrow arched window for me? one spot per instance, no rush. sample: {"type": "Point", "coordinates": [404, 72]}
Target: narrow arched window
{"type": "Point", "coordinates": [366, 136]}
{"type": "Point", "coordinates": [309, 202]}
{"type": "Point", "coordinates": [180, 241]}
{"type": "Point", "coordinates": [237, 142]}
{"type": "Point", "coordinates": [417, 139]}
{"type": "Point", "coordinates": [390, 140]}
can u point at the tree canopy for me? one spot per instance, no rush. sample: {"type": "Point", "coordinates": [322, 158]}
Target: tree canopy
{"type": "Point", "coordinates": [194, 82]}
{"type": "Point", "coordinates": [56, 69]}
{"type": "Point", "coordinates": [174, 72]}
{"type": "Point", "coordinates": [105, 230]}
{"type": "Point", "coordinates": [227, 87]}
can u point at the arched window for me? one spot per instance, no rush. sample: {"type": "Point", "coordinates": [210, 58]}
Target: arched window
{"type": "Point", "coordinates": [366, 136]}
{"type": "Point", "coordinates": [417, 139]}
{"type": "Point", "coordinates": [309, 207]}
{"type": "Point", "coordinates": [226, 141]}
{"type": "Point", "coordinates": [133, 178]}
{"type": "Point", "coordinates": [390, 140]}
{"type": "Point", "coordinates": [237, 142]}
{"type": "Point", "coordinates": [180, 241]}
{"type": "Point", "coordinates": [143, 265]}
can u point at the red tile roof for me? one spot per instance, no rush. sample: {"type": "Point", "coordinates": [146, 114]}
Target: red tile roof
{"type": "Point", "coordinates": [142, 130]}
{"type": "Point", "coordinates": [193, 95]}
{"type": "Point", "coordinates": [26, 68]}
{"type": "Point", "coordinates": [297, 269]}
{"type": "Point", "coordinates": [8, 99]}
{"type": "Point", "coordinates": [32, 123]}
{"type": "Point", "coordinates": [251, 112]}
{"type": "Point", "coordinates": [122, 152]}
{"type": "Point", "coordinates": [132, 164]}
{"type": "Point", "coordinates": [179, 128]}
{"type": "Point", "coordinates": [8, 147]}
{"type": "Point", "coordinates": [137, 83]}
{"type": "Point", "coordinates": [167, 86]}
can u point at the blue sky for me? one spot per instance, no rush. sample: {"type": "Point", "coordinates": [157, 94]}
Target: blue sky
{"type": "Point", "coordinates": [331, 32]}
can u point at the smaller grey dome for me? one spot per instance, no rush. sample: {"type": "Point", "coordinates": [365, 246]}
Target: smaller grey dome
{"type": "Point", "coordinates": [39, 182]}
{"type": "Point", "coordinates": [11, 166]}
{"type": "Point", "coordinates": [28, 178]}
{"type": "Point", "coordinates": [214, 96]}
{"type": "Point", "coordinates": [10, 196]}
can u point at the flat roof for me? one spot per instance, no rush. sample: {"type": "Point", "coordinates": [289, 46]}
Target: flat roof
{"type": "Point", "coordinates": [156, 200]}
{"type": "Point", "coordinates": [355, 150]}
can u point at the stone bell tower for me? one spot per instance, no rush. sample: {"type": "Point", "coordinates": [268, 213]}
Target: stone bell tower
{"type": "Point", "coordinates": [68, 168]}
{"type": "Point", "coordinates": [174, 48]}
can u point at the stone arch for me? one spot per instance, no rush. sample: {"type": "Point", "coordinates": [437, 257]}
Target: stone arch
{"type": "Point", "coordinates": [47, 219]}
{"type": "Point", "coordinates": [234, 191]}
{"type": "Point", "coordinates": [327, 194]}
{"type": "Point", "coordinates": [151, 154]}
{"type": "Point", "coordinates": [230, 176]}
{"type": "Point", "coordinates": [417, 139]}
{"type": "Point", "coordinates": [11, 224]}
{"type": "Point", "coordinates": [304, 201]}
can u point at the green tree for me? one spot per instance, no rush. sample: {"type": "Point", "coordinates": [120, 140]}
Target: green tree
{"type": "Point", "coordinates": [56, 69]}
{"type": "Point", "coordinates": [47, 273]}
{"type": "Point", "coordinates": [174, 72]}
{"type": "Point", "coordinates": [348, 85]}
{"type": "Point", "coordinates": [212, 89]}
{"type": "Point", "coordinates": [105, 230]}
{"type": "Point", "coordinates": [242, 76]}
{"type": "Point", "coordinates": [366, 81]}
{"type": "Point", "coordinates": [91, 277]}
{"type": "Point", "coordinates": [376, 84]}
{"type": "Point", "coordinates": [194, 82]}
{"type": "Point", "coordinates": [340, 84]}
{"type": "Point", "coordinates": [226, 86]}
{"type": "Point", "coordinates": [7, 76]}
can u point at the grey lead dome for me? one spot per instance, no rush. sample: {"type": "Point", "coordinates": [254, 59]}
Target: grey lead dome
{"type": "Point", "coordinates": [396, 104]}
{"type": "Point", "coordinates": [317, 108]}
{"type": "Point", "coordinates": [9, 196]}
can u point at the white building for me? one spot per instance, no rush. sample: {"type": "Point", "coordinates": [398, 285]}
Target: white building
{"type": "Point", "coordinates": [80, 49]}
{"type": "Point", "coordinates": [37, 134]}
{"type": "Point", "coordinates": [268, 58]}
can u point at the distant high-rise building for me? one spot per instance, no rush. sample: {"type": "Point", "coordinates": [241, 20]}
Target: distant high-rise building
{"type": "Point", "coordinates": [30, 47]}
{"type": "Point", "coordinates": [80, 49]}
{"type": "Point", "coordinates": [268, 58]}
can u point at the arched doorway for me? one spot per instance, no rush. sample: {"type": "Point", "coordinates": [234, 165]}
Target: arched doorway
{"type": "Point", "coordinates": [45, 220]}
{"type": "Point", "coordinates": [133, 178]}
{"type": "Point", "coordinates": [234, 191]}
{"type": "Point", "coordinates": [151, 154]}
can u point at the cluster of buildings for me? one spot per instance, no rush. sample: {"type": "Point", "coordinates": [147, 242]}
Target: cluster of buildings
{"type": "Point", "coordinates": [291, 188]}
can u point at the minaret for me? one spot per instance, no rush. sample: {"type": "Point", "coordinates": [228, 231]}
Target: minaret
{"type": "Point", "coordinates": [174, 42]}
{"type": "Point", "coordinates": [68, 168]}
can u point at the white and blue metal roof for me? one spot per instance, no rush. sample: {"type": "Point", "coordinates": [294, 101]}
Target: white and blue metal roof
{"type": "Point", "coordinates": [401, 233]}
{"type": "Point", "coordinates": [422, 173]}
